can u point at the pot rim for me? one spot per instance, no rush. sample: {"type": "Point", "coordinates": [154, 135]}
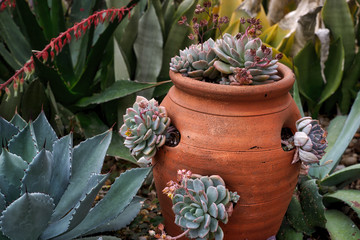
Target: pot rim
{"type": "Point", "coordinates": [250, 92]}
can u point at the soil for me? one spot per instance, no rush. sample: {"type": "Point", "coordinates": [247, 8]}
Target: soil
{"type": "Point", "coordinates": [150, 216]}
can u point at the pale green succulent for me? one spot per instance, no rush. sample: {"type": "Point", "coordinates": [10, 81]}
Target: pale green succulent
{"type": "Point", "coordinates": [144, 127]}
{"type": "Point", "coordinates": [199, 203]}
{"type": "Point", "coordinates": [196, 61]}
{"type": "Point", "coordinates": [245, 52]}
{"type": "Point", "coordinates": [48, 187]}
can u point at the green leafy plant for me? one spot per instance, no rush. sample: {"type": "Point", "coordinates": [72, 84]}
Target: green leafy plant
{"type": "Point", "coordinates": [48, 187]}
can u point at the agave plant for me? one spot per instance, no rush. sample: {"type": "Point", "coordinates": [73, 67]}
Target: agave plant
{"type": "Point", "coordinates": [47, 186]}
{"type": "Point", "coordinates": [199, 203]}
{"type": "Point", "coordinates": [144, 127]}
{"type": "Point", "coordinates": [197, 61]}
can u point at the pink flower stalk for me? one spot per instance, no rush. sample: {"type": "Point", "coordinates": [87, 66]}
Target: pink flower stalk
{"type": "Point", "coordinates": [7, 3]}
{"type": "Point", "coordinates": [56, 44]}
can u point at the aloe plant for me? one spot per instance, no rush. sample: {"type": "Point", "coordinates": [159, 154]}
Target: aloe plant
{"type": "Point", "coordinates": [48, 187]}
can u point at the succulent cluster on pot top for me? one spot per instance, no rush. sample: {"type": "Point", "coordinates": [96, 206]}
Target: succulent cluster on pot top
{"type": "Point", "coordinates": [200, 203]}
{"type": "Point", "coordinates": [144, 127]}
{"type": "Point", "coordinates": [48, 187]}
{"type": "Point", "coordinates": [309, 140]}
{"type": "Point", "coordinates": [232, 60]}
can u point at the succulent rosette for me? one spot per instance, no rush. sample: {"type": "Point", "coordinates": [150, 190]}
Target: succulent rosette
{"type": "Point", "coordinates": [144, 127]}
{"type": "Point", "coordinates": [196, 61]}
{"type": "Point", "coordinates": [244, 52]}
{"type": "Point", "coordinates": [199, 203]}
{"type": "Point", "coordinates": [310, 139]}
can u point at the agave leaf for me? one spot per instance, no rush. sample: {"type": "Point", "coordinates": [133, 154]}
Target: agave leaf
{"type": "Point", "coordinates": [12, 168]}
{"type": "Point", "coordinates": [10, 191]}
{"type": "Point", "coordinates": [18, 121]}
{"type": "Point", "coordinates": [338, 19]}
{"type": "Point", "coordinates": [2, 203]}
{"type": "Point", "coordinates": [149, 59]}
{"type": "Point", "coordinates": [7, 131]}
{"type": "Point", "coordinates": [44, 133]}
{"type": "Point", "coordinates": [88, 158]}
{"type": "Point", "coordinates": [24, 143]}
{"type": "Point", "coordinates": [334, 154]}
{"type": "Point", "coordinates": [124, 219]}
{"type": "Point", "coordinates": [340, 226]}
{"type": "Point", "coordinates": [286, 232]}
{"type": "Point", "coordinates": [42, 12]}
{"type": "Point", "coordinates": [37, 176]}
{"type": "Point", "coordinates": [120, 194]}
{"type": "Point", "coordinates": [350, 196]}
{"type": "Point", "coordinates": [295, 216]}
{"type": "Point", "coordinates": [119, 89]}
{"type": "Point", "coordinates": [61, 167]}
{"type": "Point", "coordinates": [17, 221]}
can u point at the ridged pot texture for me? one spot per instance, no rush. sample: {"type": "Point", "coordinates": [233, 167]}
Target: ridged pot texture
{"type": "Point", "coordinates": [234, 132]}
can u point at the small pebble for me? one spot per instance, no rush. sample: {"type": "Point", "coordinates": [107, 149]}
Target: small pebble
{"type": "Point", "coordinates": [350, 160]}
{"type": "Point", "coordinates": [339, 167]}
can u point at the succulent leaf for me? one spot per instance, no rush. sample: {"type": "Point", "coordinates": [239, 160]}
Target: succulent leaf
{"type": "Point", "coordinates": [12, 168]}
{"type": "Point", "coordinates": [44, 133]}
{"type": "Point", "coordinates": [7, 131]}
{"type": "Point", "coordinates": [18, 121]}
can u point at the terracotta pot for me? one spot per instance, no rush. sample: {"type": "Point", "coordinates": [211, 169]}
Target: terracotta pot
{"type": "Point", "coordinates": [234, 132]}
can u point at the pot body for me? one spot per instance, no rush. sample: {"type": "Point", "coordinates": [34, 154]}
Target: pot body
{"type": "Point", "coordinates": [234, 132]}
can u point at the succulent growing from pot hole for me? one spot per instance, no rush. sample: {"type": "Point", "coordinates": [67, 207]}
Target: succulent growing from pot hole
{"type": "Point", "coordinates": [196, 61]}
{"type": "Point", "coordinates": [310, 141]}
{"type": "Point", "coordinates": [245, 52]}
{"type": "Point", "coordinates": [144, 127]}
{"type": "Point", "coordinates": [199, 203]}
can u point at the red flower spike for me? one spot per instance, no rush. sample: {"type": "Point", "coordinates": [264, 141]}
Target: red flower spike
{"type": "Point", "coordinates": [57, 49]}
{"type": "Point", "coordinates": [68, 36]}
{"type": "Point", "coordinates": [60, 44]}
{"type": "Point", "coordinates": [44, 55]}
{"type": "Point", "coordinates": [52, 54]}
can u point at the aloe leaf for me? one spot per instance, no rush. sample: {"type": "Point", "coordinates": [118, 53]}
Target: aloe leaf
{"type": "Point", "coordinates": [334, 154]}
{"type": "Point", "coordinates": [350, 196]}
{"type": "Point", "coordinates": [18, 121]}
{"type": "Point", "coordinates": [120, 195]}
{"type": "Point", "coordinates": [169, 11]}
{"type": "Point", "coordinates": [159, 14]}
{"type": "Point", "coordinates": [119, 89]}
{"type": "Point", "coordinates": [286, 232]}
{"type": "Point", "coordinates": [61, 169]}
{"type": "Point", "coordinates": [7, 131]}
{"type": "Point", "coordinates": [120, 66]}
{"type": "Point", "coordinates": [295, 217]}
{"type": "Point", "coordinates": [12, 168]}
{"type": "Point", "coordinates": [312, 205]}
{"type": "Point", "coordinates": [17, 221]}
{"type": "Point", "coordinates": [34, 32]}
{"type": "Point", "coordinates": [334, 68]}
{"type": "Point", "coordinates": [8, 57]}
{"type": "Point", "coordinates": [14, 39]}
{"type": "Point", "coordinates": [24, 143]}
{"type": "Point", "coordinates": [88, 158]}
{"type": "Point", "coordinates": [340, 226]}
{"type": "Point", "coordinates": [338, 19]}
{"type": "Point", "coordinates": [44, 133]}
{"type": "Point", "coordinates": [342, 177]}
{"type": "Point", "coordinates": [149, 59]}
{"type": "Point", "coordinates": [309, 77]}
{"type": "Point", "coordinates": [42, 12]}
{"type": "Point", "coordinates": [124, 219]}
{"type": "Point", "coordinates": [177, 35]}
{"type": "Point", "coordinates": [37, 176]}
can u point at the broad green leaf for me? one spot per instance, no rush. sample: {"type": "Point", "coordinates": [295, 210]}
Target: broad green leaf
{"type": "Point", "coordinates": [44, 133]}
{"type": "Point", "coordinates": [309, 73]}
{"type": "Point", "coordinates": [295, 216]}
{"type": "Point", "coordinates": [311, 202]}
{"type": "Point", "coordinates": [159, 14]}
{"type": "Point", "coordinates": [120, 66]}
{"type": "Point", "coordinates": [334, 154]}
{"type": "Point", "coordinates": [61, 168]}
{"type": "Point", "coordinates": [12, 168]}
{"type": "Point", "coordinates": [286, 232]}
{"type": "Point", "coordinates": [338, 19]}
{"type": "Point", "coordinates": [87, 158]}
{"type": "Point", "coordinates": [119, 89]}
{"type": "Point", "coordinates": [42, 12]}
{"type": "Point", "coordinates": [8, 57]}
{"type": "Point", "coordinates": [121, 194]}
{"type": "Point", "coordinates": [9, 106]}
{"type": "Point", "coordinates": [18, 121]}
{"type": "Point", "coordinates": [149, 59]}
{"type": "Point", "coordinates": [38, 175]}
{"type": "Point", "coordinates": [24, 143]}
{"type": "Point", "coordinates": [340, 226]}
{"type": "Point", "coordinates": [124, 219]}
{"type": "Point", "coordinates": [91, 124]}
{"type": "Point", "coordinates": [14, 39]}
{"type": "Point", "coordinates": [27, 217]}
{"type": "Point", "coordinates": [351, 197]}
{"type": "Point", "coordinates": [297, 98]}
{"type": "Point", "coordinates": [118, 149]}
{"type": "Point", "coordinates": [169, 11]}
{"type": "Point", "coordinates": [342, 177]}
{"type": "Point", "coordinates": [177, 35]}
{"type": "Point", "coordinates": [334, 68]}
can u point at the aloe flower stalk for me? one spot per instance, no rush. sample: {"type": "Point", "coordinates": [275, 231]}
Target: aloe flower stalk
{"type": "Point", "coordinates": [7, 3]}
{"type": "Point", "coordinates": [56, 44]}
{"type": "Point", "coordinates": [310, 141]}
